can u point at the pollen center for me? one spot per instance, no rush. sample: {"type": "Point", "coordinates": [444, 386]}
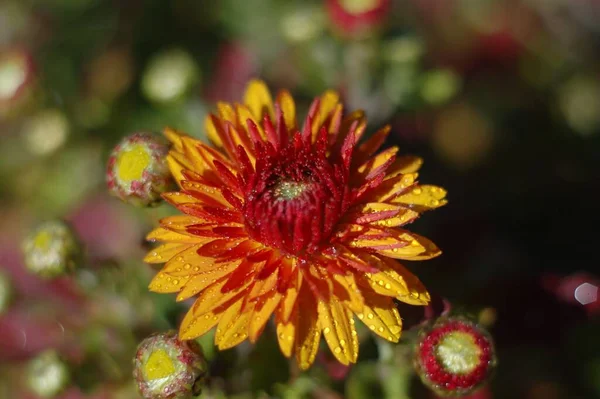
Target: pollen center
{"type": "Point", "coordinates": [132, 163]}
{"type": "Point", "coordinates": [159, 365]}
{"type": "Point", "coordinates": [458, 352]}
{"type": "Point", "coordinates": [289, 190]}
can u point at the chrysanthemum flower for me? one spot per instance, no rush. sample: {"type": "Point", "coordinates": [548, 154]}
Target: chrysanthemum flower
{"type": "Point", "coordinates": [293, 220]}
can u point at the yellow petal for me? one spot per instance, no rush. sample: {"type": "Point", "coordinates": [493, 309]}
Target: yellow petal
{"type": "Point", "coordinates": [178, 198]}
{"type": "Point", "coordinates": [286, 334]}
{"type": "Point", "coordinates": [382, 241]}
{"type": "Point", "coordinates": [351, 297]}
{"type": "Point", "coordinates": [396, 281]}
{"type": "Point", "coordinates": [212, 297]}
{"type": "Point", "coordinates": [233, 326]}
{"type": "Point", "coordinates": [211, 132]}
{"type": "Point", "coordinates": [263, 286]}
{"type": "Point", "coordinates": [291, 295]}
{"type": "Point", "coordinates": [174, 137]}
{"type": "Point", "coordinates": [244, 113]}
{"type": "Point", "coordinates": [200, 281]}
{"type": "Point", "coordinates": [404, 165]}
{"type": "Point", "coordinates": [194, 325]}
{"type": "Point", "coordinates": [338, 329]}
{"type": "Point", "coordinates": [422, 198]}
{"type": "Point", "coordinates": [192, 154]}
{"type": "Point", "coordinates": [288, 108]}
{"type": "Point", "coordinates": [167, 283]}
{"type": "Point", "coordinates": [163, 253]}
{"type": "Point", "coordinates": [382, 214]}
{"type": "Point", "coordinates": [184, 262]}
{"type": "Point", "coordinates": [162, 234]}
{"type": "Point", "coordinates": [419, 248]}
{"type": "Point", "coordinates": [308, 333]}
{"type": "Point", "coordinates": [263, 310]}
{"type": "Point", "coordinates": [258, 99]}
{"type": "Point", "coordinates": [382, 317]}
{"type": "Point", "coordinates": [391, 188]}
{"type": "Point", "coordinates": [176, 167]}
{"type": "Point", "coordinates": [377, 161]}
{"type": "Point", "coordinates": [226, 112]}
{"type": "Point", "coordinates": [203, 191]}
{"type": "Point", "coordinates": [329, 101]}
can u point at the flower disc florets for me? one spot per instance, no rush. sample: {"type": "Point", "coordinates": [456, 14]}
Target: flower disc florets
{"type": "Point", "coordinates": [454, 356]}
{"type": "Point", "coordinates": [295, 198]}
{"type": "Point", "coordinates": [166, 368]}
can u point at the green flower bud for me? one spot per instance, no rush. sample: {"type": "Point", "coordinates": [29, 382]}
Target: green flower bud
{"type": "Point", "coordinates": [47, 374]}
{"type": "Point", "coordinates": [52, 250]}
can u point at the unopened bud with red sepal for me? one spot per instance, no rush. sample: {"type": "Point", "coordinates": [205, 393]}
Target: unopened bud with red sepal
{"type": "Point", "coordinates": [166, 368]}
{"type": "Point", "coordinates": [358, 18]}
{"type": "Point", "coordinates": [137, 170]}
{"type": "Point", "coordinates": [454, 356]}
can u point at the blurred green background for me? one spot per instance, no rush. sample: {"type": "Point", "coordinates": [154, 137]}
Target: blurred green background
{"type": "Point", "coordinates": [501, 98]}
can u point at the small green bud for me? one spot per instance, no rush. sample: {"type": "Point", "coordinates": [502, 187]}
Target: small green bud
{"type": "Point", "coordinates": [47, 374]}
{"type": "Point", "coordinates": [52, 250]}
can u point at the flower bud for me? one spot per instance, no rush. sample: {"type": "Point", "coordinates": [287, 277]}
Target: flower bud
{"type": "Point", "coordinates": [6, 292]}
{"type": "Point", "coordinates": [52, 250]}
{"type": "Point", "coordinates": [47, 374]}
{"type": "Point", "coordinates": [16, 78]}
{"type": "Point", "coordinates": [137, 169]}
{"type": "Point", "coordinates": [358, 18]}
{"type": "Point", "coordinates": [454, 356]}
{"type": "Point", "coordinates": [166, 368]}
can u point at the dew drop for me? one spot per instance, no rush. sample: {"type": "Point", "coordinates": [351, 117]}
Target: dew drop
{"type": "Point", "coordinates": [380, 329]}
{"type": "Point", "coordinates": [361, 316]}
{"type": "Point", "coordinates": [187, 266]}
{"type": "Point", "coordinates": [370, 316]}
{"type": "Point", "coordinates": [175, 282]}
{"type": "Point", "coordinates": [337, 350]}
{"type": "Point", "coordinates": [326, 330]}
{"type": "Point", "coordinates": [417, 191]}
{"type": "Point", "coordinates": [342, 342]}
{"type": "Point", "coordinates": [388, 286]}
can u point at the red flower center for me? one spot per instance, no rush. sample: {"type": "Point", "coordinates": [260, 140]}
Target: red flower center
{"type": "Point", "coordinates": [295, 197]}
